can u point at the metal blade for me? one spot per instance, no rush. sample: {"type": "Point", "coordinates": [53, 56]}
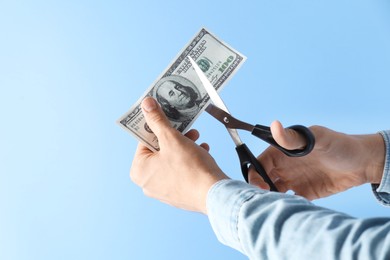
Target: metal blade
{"type": "Point", "coordinates": [209, 87]}
{"type": "Point", "coordinates": [215, 98]}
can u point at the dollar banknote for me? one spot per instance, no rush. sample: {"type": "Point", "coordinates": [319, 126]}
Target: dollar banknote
{"type": "Point", "coordinates": [179, 90]}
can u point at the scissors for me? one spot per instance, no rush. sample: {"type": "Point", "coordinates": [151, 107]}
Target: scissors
{"type": "Point", "coordinates": [219, 111]}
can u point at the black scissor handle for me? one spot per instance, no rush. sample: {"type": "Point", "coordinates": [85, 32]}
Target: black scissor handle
{"type": "Point", "coordinates": [246, 160]}
{"type": "Point", "coordinates": [264, 133]}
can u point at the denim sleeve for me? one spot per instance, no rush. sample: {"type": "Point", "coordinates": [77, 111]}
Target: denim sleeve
{"type": "Point", "coordinates": [270, 225]}
{"type": "Point", "coordinates": [382, 191]}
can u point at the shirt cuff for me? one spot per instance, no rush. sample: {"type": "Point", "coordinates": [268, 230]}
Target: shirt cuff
{"type": "Point", "coordinates": [382, 191]}
{"type": "Point", "coordinates": [224, 201]}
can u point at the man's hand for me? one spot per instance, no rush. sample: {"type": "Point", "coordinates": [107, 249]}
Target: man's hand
{"type": "Point", "coordinates": [181, 173]}
{"type": "Point", "coordinates": [337, 162]}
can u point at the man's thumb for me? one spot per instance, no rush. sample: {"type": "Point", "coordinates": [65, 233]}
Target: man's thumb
{"type": "Point", "coordinates": [287, 138]}
{"type": "Point", "coordinates": [154, 116]}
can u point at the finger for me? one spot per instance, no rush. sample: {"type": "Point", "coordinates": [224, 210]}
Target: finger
{"type": "Point", "coordinates": [287, 138]}
{"type": "Point", "coordinates": [193, 135]}
{"type": "Point", "coordinates": [141, 153]}
{"type": "Point", "coordinates": [255, 179]}
{"type": "Point", "coordinates": [155, 117]}
{"type": "Point", "coordinates": [281, 185]}
{"type": "Point", "coordinates": [142, 150]}
{"type": "Point", "coordinates": [205, 146]}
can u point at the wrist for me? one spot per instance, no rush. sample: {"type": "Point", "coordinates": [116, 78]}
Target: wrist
{"type": "Point", "coordinates": [375, 147]}
{"type": "Point", "coordinates": [204, 193]}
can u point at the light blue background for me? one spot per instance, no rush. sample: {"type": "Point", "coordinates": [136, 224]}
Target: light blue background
{"type": "Point", "coordinates": [70, 69]}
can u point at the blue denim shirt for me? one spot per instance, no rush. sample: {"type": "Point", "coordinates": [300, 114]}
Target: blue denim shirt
{"type": "Point", "coordinates": [269, 225]}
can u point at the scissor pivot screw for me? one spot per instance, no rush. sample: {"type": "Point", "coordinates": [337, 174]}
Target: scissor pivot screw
{"type": "Point", "coordinates": [226, 120]}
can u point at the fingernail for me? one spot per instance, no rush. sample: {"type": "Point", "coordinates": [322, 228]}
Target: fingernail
{"type": "Point", "coordinates": [149, 104]}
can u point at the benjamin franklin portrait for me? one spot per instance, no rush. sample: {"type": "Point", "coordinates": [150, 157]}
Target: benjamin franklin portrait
{"type": "Point", "coordinates": [178, 97]}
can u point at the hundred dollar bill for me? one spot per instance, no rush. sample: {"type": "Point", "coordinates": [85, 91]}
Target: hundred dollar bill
{"type": "Point", "coordinates": [179, 90]}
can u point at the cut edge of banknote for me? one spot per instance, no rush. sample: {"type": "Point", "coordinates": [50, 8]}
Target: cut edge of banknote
{"type": "Point", "coordinates": [182, 54]}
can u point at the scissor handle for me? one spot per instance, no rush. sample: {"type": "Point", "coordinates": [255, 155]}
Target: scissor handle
{"type": "Point", "coordinates": [264, 133]}
{"type": "Point", "coordinates": [246, 160]}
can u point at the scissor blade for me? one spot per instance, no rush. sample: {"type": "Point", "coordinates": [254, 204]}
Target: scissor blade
{"type": "Point", "coordinates": [215, 98]}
